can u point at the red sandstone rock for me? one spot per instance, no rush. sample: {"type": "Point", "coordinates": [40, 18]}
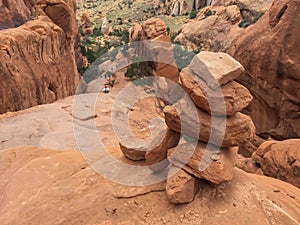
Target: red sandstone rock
{"type": "Point", "coordinates": [155, 157]}
{"type": "Point", "coordinates": [159, 48]}
{"type": "Point", "coordinates": [235, 96]}
{"type": "Point", "coordinates": [269, 51]}
{"type": "Point", "coordinates": [280, 159]}
{"type": "Point", "coordinates": [181, 187]}
{"type": "Point", "coordinates": [37, 59]}
{"type": "Point", "coordinates": [239, 128]}
{"type": "Point", "coordinates": [217, 168]}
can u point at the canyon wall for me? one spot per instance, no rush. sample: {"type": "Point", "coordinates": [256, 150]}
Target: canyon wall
{"type": "Point", "coordinates": [38, 52]}
{"type": "Point", "coordinates": [269, 51]}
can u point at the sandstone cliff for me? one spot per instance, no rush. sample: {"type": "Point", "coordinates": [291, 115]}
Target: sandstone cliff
{"type": "Point", "coordinates": [269, 51]}
{"type": "Point", "coordinates": [37, 59]}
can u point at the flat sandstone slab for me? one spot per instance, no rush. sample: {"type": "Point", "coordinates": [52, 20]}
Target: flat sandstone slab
{"type": "Point", "coordinates": [216, 69]}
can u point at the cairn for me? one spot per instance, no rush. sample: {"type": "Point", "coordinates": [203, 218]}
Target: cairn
{"type": "Point", "coordinates": [203, 128]}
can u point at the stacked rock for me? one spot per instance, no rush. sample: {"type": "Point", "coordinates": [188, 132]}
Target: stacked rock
{"type": "Point", "coordinates": [212, 157]}
{"type": "Point", "coordinates": [211, 122]}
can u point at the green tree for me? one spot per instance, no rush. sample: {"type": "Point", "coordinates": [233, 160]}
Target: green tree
{"type": "Point", "coordinates": [193, 14]}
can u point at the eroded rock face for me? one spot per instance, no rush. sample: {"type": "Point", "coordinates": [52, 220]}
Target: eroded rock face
{"type": "Point", "coordinates": [13, 13]}
{"type": "Point", "coordinates": [158, 47]}
{"type": "Point", "coordinates": [180, 7]}
{"type": "Point", "coordinates": [269, 51]}
{"type": "Point", "coordinates": [280, 159]}
{"type": "Point", "coordinates": [218, 24]}
{"type": "Point", "coordinates": [218, 168]}
{"type": "Point", "coordinates": [37, 59]}
{"type": "Point", "coordinates": [217, 27]}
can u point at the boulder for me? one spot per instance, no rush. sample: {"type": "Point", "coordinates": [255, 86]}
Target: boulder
{"type": "Point", "coordinates": [134, 147]}
{"type": "Point", "coordinates": [181, 187]}
{"type": "Point", "coordinates": [239, 128]}
{"type": "Point", "coordinates": [280, 159]}
{"type": "Point", "coordinates": [215, 69]}
{"type": "Point", "coordinates": [269, 51]}
{"type": "Point", "coordinates": [163, 58]}
{"type": "Point", "coordinates": [217, 163]}
{"type": "Point", "coordinates": [234, 95]}
{"type": "Point", "coordinates": [248, 165]}
{"type": "Point", "coordinates": [157, 157]}
{"type": "Point", "coordinates": [154, 27]}
{"type": "Point", "coordinates": [136, 33]}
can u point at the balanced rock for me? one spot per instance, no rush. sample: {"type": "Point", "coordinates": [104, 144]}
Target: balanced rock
{"type": "Point", "coordinates": [215, 68]}
{"type": "Point", "coordinates": [206, 161]}
{"type": "Point", "coordinates": [181, 187]}
{"type": "Point", "coordinates": [280, 159]}
{"type": "Point", "coordinates": [236, 129]}
{"type": "Point", "coordinates": [157, 157]}
{"type": "Point", "coordinates": [233, 95]}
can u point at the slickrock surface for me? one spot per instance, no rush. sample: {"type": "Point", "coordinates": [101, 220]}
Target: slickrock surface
{"type": "Point", "coordinates": [43, 186]}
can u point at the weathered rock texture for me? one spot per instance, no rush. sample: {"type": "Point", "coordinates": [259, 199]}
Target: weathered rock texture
{"type": "Point", "coordinates": [158, 149]}
{"type": "Point", "coordinates": [280, 159]}
{"type": "Point", "coordinates": [181, 187]}
{"type": "Point", "coordinates": [13, 13]}
{"type": "Point", "coordinates": [219, 167]}
{"type": "Point", "coordinates": [214, 29]}
{"type": "Point", "coordinates": [238, 128]}
{"type": "Point", "coordinates": [235, 96]}
{"type": "Point", "coordinates": [269, 51]}
{"type": "Point", "coordinates": [180, 7]}
{"type": "Point", "coordinates": [218, 24]}
{"type": "Point", "coordinates": [37, 59]}
{"type": "Point", "coordinates": [44, 186]}
{"type": "Point", "coordinates": [158, 48]}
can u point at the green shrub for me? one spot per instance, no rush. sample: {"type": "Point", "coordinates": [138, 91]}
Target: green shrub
{"type": "Point", "coordinates": [208, 13]}
{"type": "Point", "coordinates": [193, 14]}
{"type": "Point", "coordinates": [257, 17]}
{"type": "Point", "coordinates": [138, 70]}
